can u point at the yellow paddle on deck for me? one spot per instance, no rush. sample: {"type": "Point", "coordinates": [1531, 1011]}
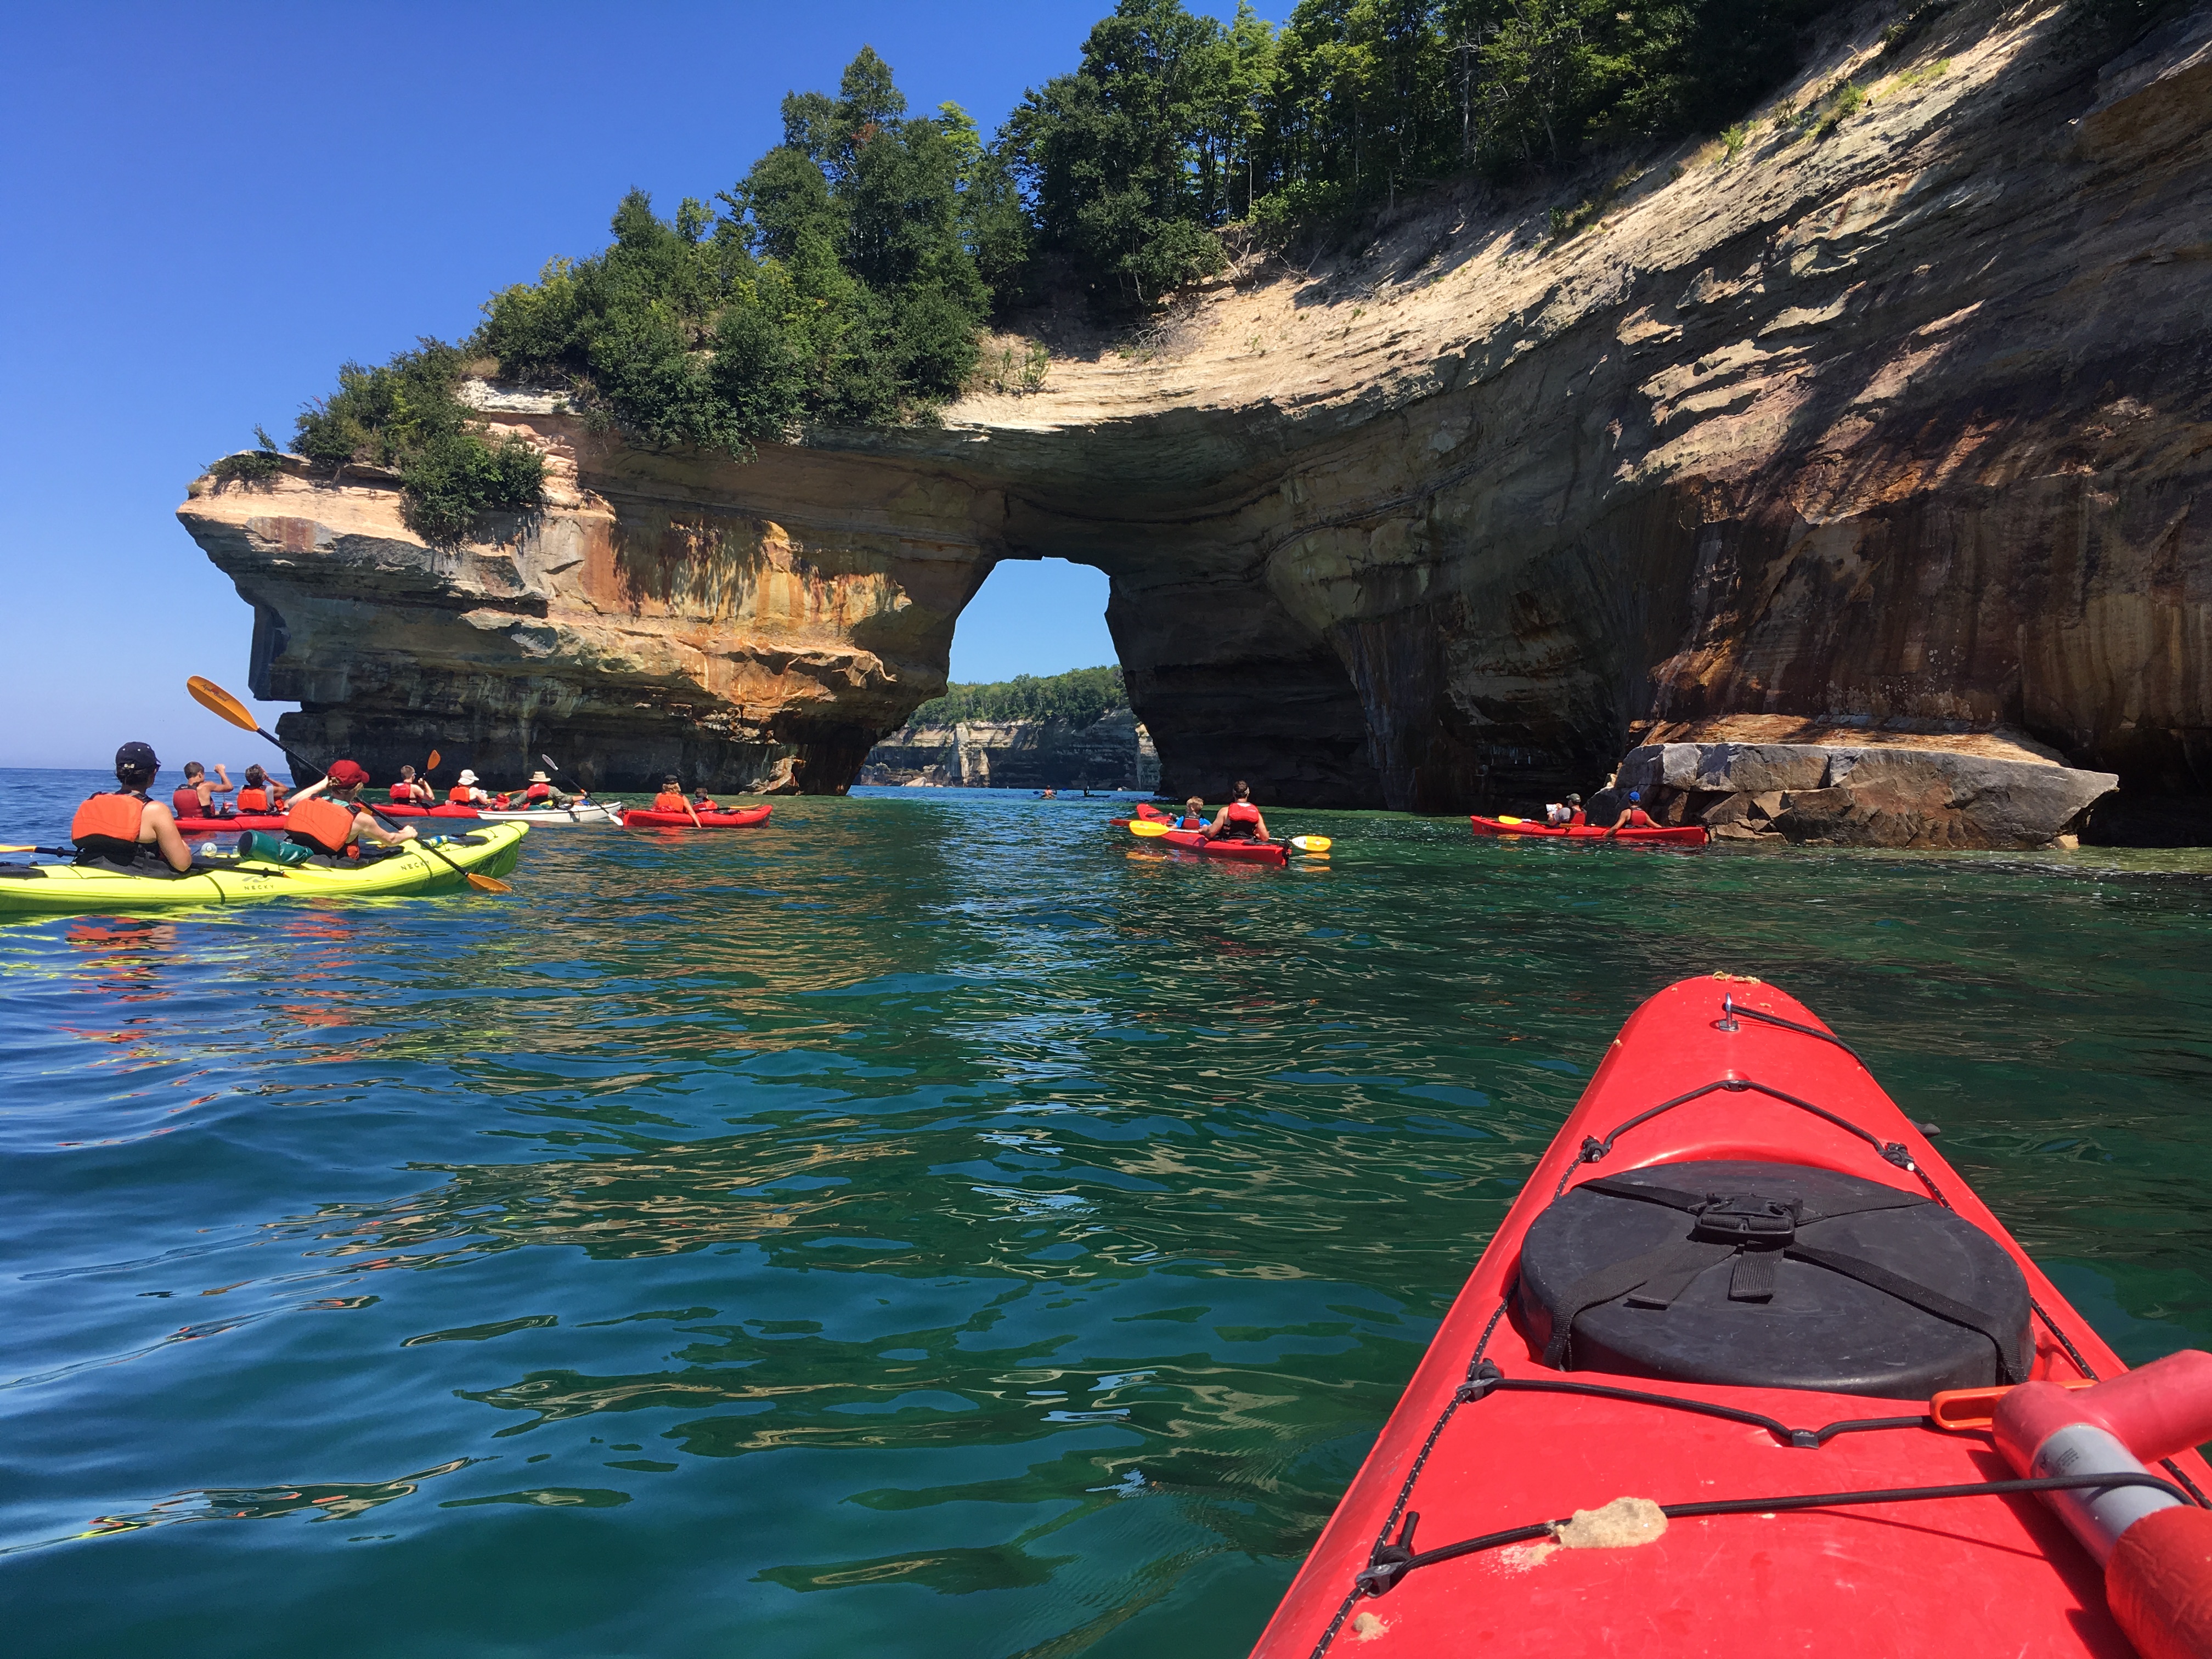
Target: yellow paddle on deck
{"type": "Point", "coordinates": [218, 701]}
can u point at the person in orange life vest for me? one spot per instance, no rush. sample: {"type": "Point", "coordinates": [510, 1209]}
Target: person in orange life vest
{"type": "Point", "coordinates": [111, 828]}
{"type": "Point", "coordinates": [412, 791]}
{"type": "Point", "coordinates": [670, 797]}
{"type": "Point", "coordinates": [327, 816]}
{"type": "Point", "coordinates": [465, 793]}
{"type": "Point", "coordinates": [1194, 817]}
{"type": "Point", "coordinates": [1565, 815]}
{"type": "Point", "coordinates": [1240, 820]}
{"type": "Point", "coordinates": [1632, 816]}
{"type": "Point", "coordinates": [260, 794]}
{"type": "Point", "coordinates": [197, 799]}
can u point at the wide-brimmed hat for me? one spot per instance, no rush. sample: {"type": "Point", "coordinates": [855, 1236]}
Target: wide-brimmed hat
{"type": "Point", "coordinates": [468, 777]}
{"type": "Point", "coordinates": [540, 777]}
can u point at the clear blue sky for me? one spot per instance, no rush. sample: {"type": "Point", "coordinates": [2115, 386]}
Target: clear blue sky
{"type": "Point", "coordinates": [209, 208]}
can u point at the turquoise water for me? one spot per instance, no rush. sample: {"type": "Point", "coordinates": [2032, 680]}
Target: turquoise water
{"type": "Point", "coordinates": [920, 1227]}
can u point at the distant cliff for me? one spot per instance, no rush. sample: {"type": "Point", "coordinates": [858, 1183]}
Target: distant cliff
{"type": "Point", "coordinates": [1112, 753]}
{"type": "Point", "coordinates": [1892, 406]}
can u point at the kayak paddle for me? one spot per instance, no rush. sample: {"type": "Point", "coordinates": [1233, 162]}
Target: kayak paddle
{"type": "Point", "coordinates": [217, 700]}
{"type": "Point", "coordinates": [51, 852]}
{"type": "Point", "coordinates": [1153, 829]}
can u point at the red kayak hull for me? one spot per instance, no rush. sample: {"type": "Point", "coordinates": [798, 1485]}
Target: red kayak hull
{"type": "Point", "coordinates": [1240, 851]}
{"type": "Point", "coordinates": [644, 818]}
{"type": "Point", "coordinates": [1686, 834]}
{"type": "Point", "coordinates": [1979, 1574]}
{"type": "Point", "coordinates": [274, 822]}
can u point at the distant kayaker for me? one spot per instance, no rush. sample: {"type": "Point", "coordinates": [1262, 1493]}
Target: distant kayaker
{"type": "Point", "coordinates": [412, 791]}
{"type": "Point", "coordinates": [1632, 816]}
{"type": "Point", "coordinates": [671, 798]}
{"type": "Point", "coordinates": [1564, 815]}
{"type": "Point", "coordinates": [1194, 815]}
{"type": "Point", "coordinates": [541, 793]}
{"type": "Point", "coordinates": [260, 792]}
{"type": "Point", "coordinates": [196, 798]}
{"type": "Point", "coordinates": [465, 791]}
{"type": "Point", "coordinates": [121, 827]}
{"type": "Point", "coordinates": [1240, 820]}
{"type": "Point", "coordinates": [327, 816]}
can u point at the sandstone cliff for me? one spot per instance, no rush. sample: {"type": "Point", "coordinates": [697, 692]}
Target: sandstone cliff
{"type": "Point", "coordinates": [1898, 413]}
{"type": "Point", "coordinates": [1111, 752]}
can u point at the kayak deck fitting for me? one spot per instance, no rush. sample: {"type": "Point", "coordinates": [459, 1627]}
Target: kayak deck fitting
{"type": "Point", "coordinates": [1724, 1299]}
{"type": "Point", "coordinates": [61, 889]}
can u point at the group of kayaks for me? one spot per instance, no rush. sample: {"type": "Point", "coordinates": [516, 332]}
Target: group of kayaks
{"type": "Point", "coordinates": [455, 843]}
{"type": "Point", "coordinates": [1155, 825]}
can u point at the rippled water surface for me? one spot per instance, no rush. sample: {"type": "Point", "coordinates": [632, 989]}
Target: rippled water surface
{"type": "Point", "coordinates": [923, 1227]}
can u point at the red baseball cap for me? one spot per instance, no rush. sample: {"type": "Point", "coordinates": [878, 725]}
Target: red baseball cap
{"type": "Point", "coordinates": [347, 774]}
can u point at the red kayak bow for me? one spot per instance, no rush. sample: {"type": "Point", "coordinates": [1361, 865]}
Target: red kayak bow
{"type": "Point", "coordinates": [1723, 1383]}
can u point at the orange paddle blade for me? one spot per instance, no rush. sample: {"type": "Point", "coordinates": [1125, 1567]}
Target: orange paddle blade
{"type": "Point", "coordinates": [431, 764]}
{"type": "Point", "coordinates": [217, 700]}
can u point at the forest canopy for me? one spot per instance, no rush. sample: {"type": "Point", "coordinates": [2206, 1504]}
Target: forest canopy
{"type": "Point", "coordinates": [1078, 697]}
{"type": "Point", "coordinates": [843, 279]}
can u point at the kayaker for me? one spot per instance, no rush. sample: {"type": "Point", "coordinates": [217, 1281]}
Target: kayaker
{"type": "Point", "coordinates": [327, 816]}
{"type": "Point", "coordinates": [1632, 816]}
{"type": "Point", "coordinates": [670, 797]}
{"type": "Point", "coordinates": [1565, 815]}
{"type": "Point", "coordinates": [260, 794]}
{"type": "Point", "coordinates": [196, 797]}
{"type": "Point", "coordinates": [114, 828]}
{"type": "Point", "coordinates": [1240, 820]}
{"type": "Point", "coordinates": [541, 793]}
{"type": "Point", "coordinates": [465, 791]}
{"type": "Point", "coordinates": [412, 791]}
{"type": "Point", "coordinates": [1194, 815]}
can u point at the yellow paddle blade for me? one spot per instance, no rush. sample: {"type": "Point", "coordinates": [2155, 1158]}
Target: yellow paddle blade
{"type": "Point", "coordinates": [1312, 843]}
{"type": "Point", "coordinates": [486, 883]}
{"type": "Point", "coordinates": [1507, 820]}
{"type": "Point", "coordinates": [1147, 828]}
{"type": "Point", "coordinates": [217, 700]}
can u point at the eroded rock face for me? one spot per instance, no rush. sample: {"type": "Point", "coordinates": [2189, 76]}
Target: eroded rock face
{"type": "Point", "coordinates": [1904, 423]}
{"type": "Point", "coordinates": [1112, 753]}
{"type": "Point", "coordinates": [1889, 795]}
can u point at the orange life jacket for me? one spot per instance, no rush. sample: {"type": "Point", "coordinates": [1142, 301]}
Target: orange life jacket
{"type": "Point", "coordinates": [670, 804]}
{"type": "Point", "coordinates": [322, 821]}
{"type": "Point", "coordinates": [460, 793]}
{"type": "Point", "coordinates": [118, 817]}
{"type": "Point", "coordinates": [185, 803]}
{"type": "Point", "coordinates": [251, 799]}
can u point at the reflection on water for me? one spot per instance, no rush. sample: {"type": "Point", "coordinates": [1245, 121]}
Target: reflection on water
{"type": "Point", "coordinates": [932, 1225]}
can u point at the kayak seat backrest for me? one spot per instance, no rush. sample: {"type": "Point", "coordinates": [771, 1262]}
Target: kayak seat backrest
{"type": "Point", "coordinates": [1771, 1275]}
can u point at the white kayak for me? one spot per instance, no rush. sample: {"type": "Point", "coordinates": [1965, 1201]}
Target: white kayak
{"type": "Point", "coordinates": [582, 812]}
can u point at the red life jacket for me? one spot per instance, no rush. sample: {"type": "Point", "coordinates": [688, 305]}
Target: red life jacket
{"type": "Point", "coordinates": [402, 794]}
{"type": "Point", "coordinates": [251, 799]}
{"type": "Point", "coordinates": [1638, 819]}
{"type": "Point", "coordinates": [1574, 818]}
{"type": "Point", "coordinates": [460, 793]}
{"type": "Point", "coordinates": [669, 804]}
{"type": "Point", "coordinates": [185, 803]}
{"type": "Point", "coordinates": [321, 823]}
{"type": "Point", "coordinates": [1240, 821]}
{"type": "Point", "coordinates": [538, 792]}
{"type": "Point", "coordinates": [116, 817]}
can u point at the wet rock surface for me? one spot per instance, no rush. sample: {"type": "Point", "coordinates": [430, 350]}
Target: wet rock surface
{"type": "Point", "coordinates": [1886, 796]}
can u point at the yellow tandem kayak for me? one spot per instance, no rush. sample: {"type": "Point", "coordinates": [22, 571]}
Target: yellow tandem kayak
{"type": "Point", "coordinates": [60, 888]}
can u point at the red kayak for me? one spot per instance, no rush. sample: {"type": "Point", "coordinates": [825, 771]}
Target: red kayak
{"type": "Point", "coordinates": [1244, 852]}
{"type": "Point", "coordinates": [1144, 810]}
{"type": "Point", "coordinates": [1687, 835]}
{"type": "Point", "coordinates": [644, 818]}
{"type": "Point", "coordinates": [1739, 1321]}
{"type": "Point", "coordinates": [274, 821]}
